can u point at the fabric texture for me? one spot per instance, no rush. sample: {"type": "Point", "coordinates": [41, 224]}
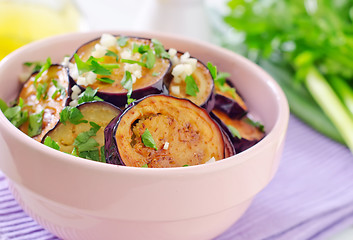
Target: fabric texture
{"type": "Point", "coordinates": [310, 197]}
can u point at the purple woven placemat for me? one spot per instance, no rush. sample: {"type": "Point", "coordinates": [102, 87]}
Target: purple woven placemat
{"type": "Point", "coordinates": [311, 196]}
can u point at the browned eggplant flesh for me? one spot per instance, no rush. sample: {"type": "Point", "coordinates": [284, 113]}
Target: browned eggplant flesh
{"type": "Point", "coordinates": [182, 133]}
{"type": "Point", "coordinates": [44, 95]}
{"type": "Point", "coordinates": [84, 137]}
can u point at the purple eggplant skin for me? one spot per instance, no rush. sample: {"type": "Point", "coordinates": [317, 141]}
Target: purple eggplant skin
{"type": "Point", "coordinates": [119, 99]}
{"type": "Point", "coordinates": [239, 144]}
{"type": "Point", "coordinates": [209, 102]}
{"type": "Point", "coordinates": [110, 147]}
{"type": "Point", "coordinates": [229, 106]}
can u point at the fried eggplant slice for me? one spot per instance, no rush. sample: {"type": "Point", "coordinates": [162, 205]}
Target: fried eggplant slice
{"type": "Point", "coordinates": [85, 136]}
{"type": "Point", "coordinates": [191, 79]}
{"type": "Point", "coordinates": [243, 133]}
{"type": "Point", "coordinates": [121, 68]}
{"type": "Point", "coordinates": [44, 95]}
{"type": "Point", "coordinates": [163, 131]}
{"type": "Point", "coordinates": [229, 101]}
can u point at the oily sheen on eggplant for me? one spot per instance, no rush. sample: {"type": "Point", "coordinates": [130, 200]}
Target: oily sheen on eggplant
{"type": "Point", "coordinates": [98, 112]}
{"type": "Point", "coordinates": [230, 102]}
{"type": "Point", "coordinates": [249, 134]}
{"type": "Point", "coordinates": [150, 82]}
{"type": "Point", "coordinates": [53, 97]}
{"type": "Point", "coordinates": [203, 79]}
{"type": "Point", "coordinates": [184, 134]}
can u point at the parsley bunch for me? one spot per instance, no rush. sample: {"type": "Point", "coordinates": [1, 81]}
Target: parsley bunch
{"type": "Point", "coordinates": [307, 47]}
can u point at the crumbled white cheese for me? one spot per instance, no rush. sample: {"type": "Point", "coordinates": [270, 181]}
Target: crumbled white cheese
{"type": "Point", "coordinates": [134, 69]}
{"type": "Point", "coordinates": [180, 72]}
{"type": "Point", "coordinates": [185, 56]}
{"type": "Point", "coordinates": [73, 103]}
{"type": "Point", "coordinates": [75, 92]}
{"type": "Point", "coordinates": [166, 146]}
{"type": "Point", "coordinates": [99, 51]}
{"type": "Point", "coordinates": [126, 54]}
{"type": "Point", "coordinates": [173, 56]}
{"type": "Point", "coordinates": [73, 70]}
{"type": "Point", "coordinates": [190, 61]}
{"type": "Point", "coordinates": [82, 81]}
{"type": "Point", "coordinates": [212, 160]}
{"type": "Point", "coordinates": [108, 40]}
{"type": "Point", "coordinates": [65, 61]}
{"type": "Point", "coordinates": [91, 77]}
{"type": "Point", "coordinates": [175, 90]}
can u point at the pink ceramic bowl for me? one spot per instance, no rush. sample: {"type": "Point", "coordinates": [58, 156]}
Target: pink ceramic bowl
{"type": "Point", "coordinates": [76, 198]}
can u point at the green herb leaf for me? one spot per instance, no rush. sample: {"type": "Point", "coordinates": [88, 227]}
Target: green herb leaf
{"type": "Point", "coordinates": [159, 49]}
{"type": "Point", "coordinates": [122, 41]}
{"type": "Point", "coordinates": [15, 114]}
{"type": "Point", "coordinates": [42, 70]}
{"type": "Point", "coordinates": [48, 141]}
{"type": "Point", "coordinates": [41, 90]}
{"type": "Point", "coordinates": [156, 74]}
{"type": "Point", "coordinates": [147, 139]}
{"type": "Point", "coordinates": [126, 82]}
{"type": "Point", "coordinates": [82, 66]}
{"type": "Point", "coordinates": [88, 95]}
{"type": "Point", "coordinates": [142, 64]}
{"type": "Point", "coordinates": [99, 69]}
{"type": "Point", "coordinates": [256, 124]}
{"type": "Point", "coordinates": [191, 86]}
{"type": "Point", "coordinates": [144, 166]}
{"type": "Point", "coordinates": [35, 124]}
{"type": "Point", "coordinates": [59, 89]}
{"type": "Point", "coordinates": [90, 155]}
{"type": "Point", "coordinates": [3, 105]}
{"type": "Point", "coordinates": [112, 54]}
{"type": "Point", "coordinates": [37, 65]}
{"type": "Point", "coordinates": [102, 151]}
{"type": "Point", "coordinates": [149, 58]}
{"type": "Point", "coordinates": [106, 80]}
{"type": "Point", "coordinates": [71, 114]}
{"type": "Point", "coordinates": [213, 70]}
{"type": "Point", "coordinates": [84, 142]}
{"type": "Point", "coordinates": [234, 131]}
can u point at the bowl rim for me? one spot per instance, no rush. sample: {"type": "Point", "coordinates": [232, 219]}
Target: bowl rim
{"type": "Point", "coordinates": [279, 127]}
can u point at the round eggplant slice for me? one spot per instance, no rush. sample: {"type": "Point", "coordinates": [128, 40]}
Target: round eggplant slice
{"type": "Point", "coordinates": [163, 131]}
{"type": "Point", "coordinates": [191, 79]}
{"type": "Point", "coordinates": [243, 133]}
{"type": "Point", "coordinates": [103, 64]}
{"type": "Point", "coordinates": [228, 101]}
{"type": "Point", "coordinates": [44, 95]}
{"type": "Point", "coordinates": [85, 138]}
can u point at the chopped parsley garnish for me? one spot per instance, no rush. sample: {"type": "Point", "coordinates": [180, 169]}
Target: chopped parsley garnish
{"type": "Point", "coordinates": [42, 90]}
{"type": "Point", "coordinates": [88, 95]}
{"type": "Point", "coordinates": [71, 114]}
{"type": "Point", "coordinates": [144, 166]}
{"type": "Point", "coordinates": [122, 41]}
{"type": "Point", "coordinates": [3, 105]}
{"type": "Point", "coordinates": [35, 124]}
{"type": "Point", "coordinates": [87, 147]}
{"type": "Point", "coordinates": [234, 131]}
{"type": "Point", "coordinates": [15, 114]}
{"type": "Point", "coordinates": [106, 80]}
{"type": "Point", "coordinates": [220, 79]}
{"type": "Point", "coordinates": [191, 86]}
{"type": "Point", "coordinates": [59, 89]}
{"type": "Point", "coordinates": [35, 65]}
{"type": "Point", "coordinates": [48, 141]}
{"type": "Point", "coordinates": [142, 64]}
{"type": "Point", "coordinates": [147, 139]}
{"type": "Point", "coordinates": [258, 125]}
{"type": "Point", "coordinates": [112, 54]}
{"type": "Point", "coordinates": [127, 82]}
{"type": "Point", "coordinates": [149, 58]}
{"type": "Point", "coordinates": [92, 65]}
{"type": "Point", "coordinates": [159, 49]}
{"type": "Point", "coordinates": [42, 70]}
{"type": "Point", "coordinates": [156, 74]}
{"type": "Point", "coordinates": [143, 48]}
